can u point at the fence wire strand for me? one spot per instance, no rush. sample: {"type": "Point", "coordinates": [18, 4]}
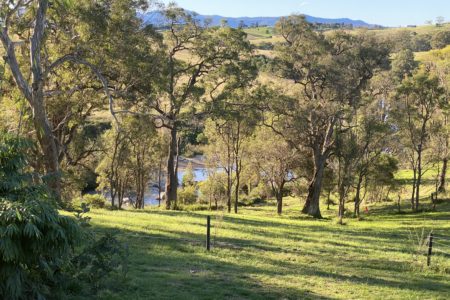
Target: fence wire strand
{"type": "Point", "coordinates": [440, 251]}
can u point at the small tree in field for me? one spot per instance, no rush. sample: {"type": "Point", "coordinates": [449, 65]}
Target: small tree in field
{"type": "Point", "coordinates": [418, 100]}
{"type": "Point", "coordinates": [275, 161]}
{"type": "Point", "coordinates": [188, 176]}
{"type": "Point", "coordinates": [213, 190]}
{"type": "Point", "coordinates": [132, 155]}
{"type": "Point", "coordinates": [198, 62]}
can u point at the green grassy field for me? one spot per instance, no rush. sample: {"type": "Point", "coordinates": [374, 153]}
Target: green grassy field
{"type": "Point", "coordinates": [258, 255]}
{"type": "Point", "coordinates": [259, 32]}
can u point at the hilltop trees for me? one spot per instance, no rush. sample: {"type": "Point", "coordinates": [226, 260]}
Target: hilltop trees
{"type": "Point", "coordinates": [441, 39]}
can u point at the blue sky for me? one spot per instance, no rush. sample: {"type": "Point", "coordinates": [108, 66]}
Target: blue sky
{"type": "Point", "coordinates": [383, 12]}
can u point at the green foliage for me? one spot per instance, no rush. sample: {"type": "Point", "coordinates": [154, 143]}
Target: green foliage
{"type": "Point", "coordinates": [187, 195]}
{"type": "Point", "coordinates": [403, 64]}
{"type": "Point", "coordinates": [213, 189]}
{"type": "Point", "coordinates": [383, 170]}
{"type": "Point", "coordinates": [35, 241]}
{"type": "Point", "coordinates": [261, 191]}
{"type": "Point", "coordinates": [94, 201]}
{"type": "Point", "coordinates": [188, 176]}
{"type": "Point", "coordinates": [441, 39]}
{"type": "Point", "coordinates": [98, 260]}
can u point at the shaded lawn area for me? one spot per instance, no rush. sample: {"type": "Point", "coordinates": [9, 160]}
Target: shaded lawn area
{"type": "Point", "coordinates": [258, 255]}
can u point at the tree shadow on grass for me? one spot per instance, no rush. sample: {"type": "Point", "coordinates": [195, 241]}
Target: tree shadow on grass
{"type": "Point", "coordinates": [178, 269]}
{"type": "Point", "coordinates": [181, 269]}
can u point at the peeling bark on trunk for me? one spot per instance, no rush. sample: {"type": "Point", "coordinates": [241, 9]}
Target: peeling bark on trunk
{"type": "Point", "coordinates": [34, 94]}
{"type": "Point", "coordinates": [312, 205]}
{"type": "Point", "coordinates": [49, 149]}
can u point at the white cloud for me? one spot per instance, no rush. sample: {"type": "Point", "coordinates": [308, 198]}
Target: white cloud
{"type": "Point", "coordinates": [304, 3]}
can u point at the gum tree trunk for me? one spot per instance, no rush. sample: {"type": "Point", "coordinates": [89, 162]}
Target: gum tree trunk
{"type": "Point", "coordinates": [34, 94]}
{"type": "Point", "coordinates": [358, 196]}
{"type": "Point", "coordinates": [441, 187]}
{"type": "Point", "coordinates": [312, 205]}
{"type": "Point", "coordinates": [171, 177]}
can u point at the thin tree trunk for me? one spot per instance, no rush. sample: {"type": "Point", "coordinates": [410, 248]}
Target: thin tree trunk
{"type": "Point", "coordinates": [358, 196]}
{"type": "Point", "coordinates": [441, 187]}
{"type": "Point", "coordinates": [229, 175]}
{"type": "Point", "coordinates": [236, 191]}
{"type": "Point", "coordinates": [419, 178]}
{"type": "Point", "coordinates": [279, 196]}
{"type": "Point", "coordinates": [328, 199]}
{"type": "Point", "coordinates": [159, 181]}
{"type": "Point", "coordinates": [229, 186]}
{"type": "Point", "coordinates": [171, 177]}
{"type": "Point", "coordinates": [414, 189]}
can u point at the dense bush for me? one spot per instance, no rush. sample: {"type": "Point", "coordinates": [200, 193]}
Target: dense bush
{"type": "Point", "coordinates": [261, 191]}
{"type": "Point", "coordinates": [35, 241]}
{"type": "Point", "coordinates": [440, 40]}
{"type": "Point", "coordinates": [42, 253]}
{"type": "Point", "coordinates": [213, 190]}
{"type": "Point", "coordinates": [187, 195]}
{"type": "Point", "coordinates": [99, 258]}
{"type": "Point", "coordinates": [94, 201]}
{"type": "Point", "coordinates": [35, 244]}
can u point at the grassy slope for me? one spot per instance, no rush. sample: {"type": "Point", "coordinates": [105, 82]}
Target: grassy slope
{"type": "Point", "coordinates": [259, 32]}
{"type": "Point", "coordinates": [425, 29]}
{"type": "Point", "coordinates": [259, 35]}
{"type": "Point", "coordinates": [259, 255]}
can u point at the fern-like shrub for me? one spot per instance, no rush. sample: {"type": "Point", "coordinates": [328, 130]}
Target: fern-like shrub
{"type": "Point", "coordinates": [35, 241]}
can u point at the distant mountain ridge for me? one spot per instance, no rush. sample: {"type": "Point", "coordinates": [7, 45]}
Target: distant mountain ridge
{"type": "Point", "coordinates": [156, 18]}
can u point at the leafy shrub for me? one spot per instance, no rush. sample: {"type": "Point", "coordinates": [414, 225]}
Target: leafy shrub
{"type": "Point", "coordinates": [260, 192]}
{"type": "Point", "coordinates": [187, 195]}
{"type": "Point", "coordinates": [37, 245]}
{"type": "Point", "coordinates": [247, 201]}
{"type": "Point", "coordinates": [98, 260]}
{"type": "Point", "coordinates": [94, 201]}
{"type": "Point", "coordinates": [35, 241]}
{"type": "Point", "coordinates": [440, 40]}
{"type": "Point", "coordinates": [193, 207]}
{"type": "Point", "coordinates": [213, 189]}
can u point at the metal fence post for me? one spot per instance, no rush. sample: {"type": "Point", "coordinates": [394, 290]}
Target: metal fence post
{"type": "Point", "coordinates": [208, 233]}
{"type": "Point", "coordinates": [430, 249]}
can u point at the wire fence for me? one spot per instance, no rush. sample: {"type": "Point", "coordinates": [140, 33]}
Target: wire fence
{"type": "Point", "coordinates": [439, 244]}
{"type": "Point", "coordinates": [436, 244]}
